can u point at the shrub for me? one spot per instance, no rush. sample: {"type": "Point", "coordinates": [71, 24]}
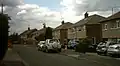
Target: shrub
{"type": "Point", "coordinates": [83, 45]}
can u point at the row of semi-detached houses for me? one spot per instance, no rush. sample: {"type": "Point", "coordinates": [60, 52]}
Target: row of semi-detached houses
{"type": "Point", "coordinates": [95, 27]}
{"type": "Point", "coordinates": [31, 35]}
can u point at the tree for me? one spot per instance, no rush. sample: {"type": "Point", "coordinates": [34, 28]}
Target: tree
{"type": "Point", "coordinates": [82, 47]}
{"type": "Point", "coordinates": [3, 34]}
{"type": "Point", "coordinates": [14, 36]}
{"type": "Point", "coordinates": [48, 33]}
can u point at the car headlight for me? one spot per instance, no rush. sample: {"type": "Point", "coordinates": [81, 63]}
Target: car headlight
{"type": "Point", "coordinates": [103, 48]}
{"type": "Point", "coordinates": [117, 47]}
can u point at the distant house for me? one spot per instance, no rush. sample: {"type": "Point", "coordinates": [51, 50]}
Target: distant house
{"type": "Point", "coordinates": [26, 35]}
{"type": "Point", "coordinates": [111, 28]}
{"type": "Point", "coordinates": [61, 32]}
{"type": "Point", "coordinates": [39, 35]}
{"type": "Point", "coordinates": [89, 27]}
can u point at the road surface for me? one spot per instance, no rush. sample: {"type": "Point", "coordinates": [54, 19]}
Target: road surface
{"type": "Point", "coordinates": [37, 58]}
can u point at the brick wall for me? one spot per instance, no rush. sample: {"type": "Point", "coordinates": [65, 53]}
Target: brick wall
{"type": "Point", "coordinates": [94, 30]}
{"type": "Point", "coordinates": [63, 35]}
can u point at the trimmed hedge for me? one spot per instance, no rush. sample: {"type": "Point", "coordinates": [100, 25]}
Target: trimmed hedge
{"type": "Point", "coordinates": [83, 45]}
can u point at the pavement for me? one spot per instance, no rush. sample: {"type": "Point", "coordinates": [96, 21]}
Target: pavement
{"type": "Point", "coordinates": [70, 58]}
{"type": "Point", "coordinates": [13, 59]}
{"type": "Point", "coordinates": [105, 60]}
{"type": "Point", "coordinates": [77, 55]}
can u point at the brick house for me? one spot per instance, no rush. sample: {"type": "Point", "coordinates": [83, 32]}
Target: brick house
{"type": "Point", "coordinates": [26, 35]}
{"type": "Point", "coordinates": [89, 27]}
{"type": "Point", "coordinates": [111, 28]}
{"type": "Point", "coordinates": [61, 32]}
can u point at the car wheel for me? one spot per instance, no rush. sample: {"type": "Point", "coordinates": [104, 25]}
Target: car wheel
{"type": "Point", "coordinates": [74, 48]}
{"type": "Point", "coordinates": [43, 49]}
{"type": "Point", "coordinates": [38, 49]}
{"type": "Point", "coordinates": [98, 53]}
{"type": "Point", "coordinates": [118, 55]}
{"type": "Point", "coordinates": [46, 50]}
{"type": "Point", "coordinates": [59, 50]}
{"type": "Point", "coordinates": [105, 53]}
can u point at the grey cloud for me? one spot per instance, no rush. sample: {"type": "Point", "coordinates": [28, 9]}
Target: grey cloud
{"type": "Point", "coordinates": [12, 2]}
{"type": "Point", "coordinates": [96, 5]}
{"type": "Point", "coordinates": [20, 22]}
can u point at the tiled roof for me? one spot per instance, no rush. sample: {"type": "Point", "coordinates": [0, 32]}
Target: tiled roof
{"type": "Point", "coordinates": [28, 32]}
{"type": "Point", "coordinates": [93, 19]}
{"type": "Point", "coordinates": [39, 32]}
{"type": "Point", "coordinates": [64, 26]}
{"type": "Point", "coordinates": [114, 16]}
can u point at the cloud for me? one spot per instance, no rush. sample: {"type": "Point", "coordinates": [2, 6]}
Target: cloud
{"type": "Point", "coordinates": [80, 6]}
{"type": "Point", "coordinates": [12, 2]}
{"type": "Point", "coordinates": [23, 14]}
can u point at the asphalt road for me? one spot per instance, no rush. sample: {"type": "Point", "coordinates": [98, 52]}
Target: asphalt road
{"type": "Point", "coordinates": [37, 58]}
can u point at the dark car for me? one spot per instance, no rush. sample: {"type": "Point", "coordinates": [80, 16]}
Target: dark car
{"type": "Point", "coordinates": [103, 46]}
{"type": "Point", "coordinates": [72, 44]}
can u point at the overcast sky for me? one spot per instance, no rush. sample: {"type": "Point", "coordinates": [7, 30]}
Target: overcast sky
{"type": "Point", "coordinates": [37, 12]}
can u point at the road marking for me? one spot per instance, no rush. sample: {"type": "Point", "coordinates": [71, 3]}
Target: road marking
{"type": "Point", "coordinates": [117, 58]}
{"type": "Point", "coordinates": [25, 45]}
{"type": "Point", "coordinates": [80, 57]}
{"type": "Point", "coordinates": [9, 49]}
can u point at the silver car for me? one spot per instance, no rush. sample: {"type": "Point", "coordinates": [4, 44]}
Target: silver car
{"type": "Point", "coordinates": [102, 47]}
{"type": "Point", "coordinates": [40, 45]}
{"type": "Point", "coordinates": [114, 49]}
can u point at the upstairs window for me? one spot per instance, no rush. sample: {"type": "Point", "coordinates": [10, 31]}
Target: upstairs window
{"type": "Point", "coordinates": [105, 26]}
{"type": "Point", "coordinates": [118, 23]}
{"type": "Point", "coordinates": [113, 25]}
{"type": "Point", "coordinates": [84, 28]}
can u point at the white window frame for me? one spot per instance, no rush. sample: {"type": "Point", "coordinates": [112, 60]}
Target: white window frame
{"type": "Point", "coordinates": [118, 25]}
{"type": "Point", "coordinates": [105, 26]}
{"type": "Point", "coordinates": [84, 28]}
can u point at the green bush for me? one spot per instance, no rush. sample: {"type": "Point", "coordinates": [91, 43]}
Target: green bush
{"type": "Point", "coordinates": [83, 45]}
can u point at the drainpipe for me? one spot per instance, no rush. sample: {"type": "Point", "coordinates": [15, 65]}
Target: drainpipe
{"type": "Point", "coordinates": [75, 33]}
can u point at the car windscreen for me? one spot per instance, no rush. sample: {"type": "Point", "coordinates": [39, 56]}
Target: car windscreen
{"type": "Point", "coordinates": [42, 42]}
{"type": "Point", "coordinates": [111, 43]}
{"type": "Point", "coordinates": [53, 40]}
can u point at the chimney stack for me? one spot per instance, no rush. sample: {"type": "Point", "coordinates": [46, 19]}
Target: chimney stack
{"type": "Point", "coordinates": [86, 15]}
{"type": "Point", "coordinates": [28, 28]}
{"type": "Point", "coordinates": [62, 22]}
{"type": "Point", "coordinates": [44, 25]}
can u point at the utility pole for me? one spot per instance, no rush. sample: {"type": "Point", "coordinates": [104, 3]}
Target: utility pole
{"type": "Point", "coordinates": [2, 6]}
{"type": "Point", "coordinates": [112, 11]}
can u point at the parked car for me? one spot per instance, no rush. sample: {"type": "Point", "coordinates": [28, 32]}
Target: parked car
{"type": "Point", "coordinates": [114, 50]}
{"type": "Point", "coordinates": [40, 45]}
{"type": "Point", "coordinates": [92, 48]}
{"type": "Point", "coordinates": [51, 45]}
{"type": "Point", "coordinates": [103, 46]}
{"type": "Point", "coordinates": [71, 44]}
{"type": "Point", "coordinates": [10, 45]}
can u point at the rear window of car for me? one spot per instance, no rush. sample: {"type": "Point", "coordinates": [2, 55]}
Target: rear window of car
{"type": "Point", "coordinates": [42, 41]}
{"type": "Point", "coordinates": [53, 40]}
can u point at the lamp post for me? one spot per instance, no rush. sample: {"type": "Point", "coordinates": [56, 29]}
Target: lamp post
{"type": "Point", "coordinates": [2, 6]}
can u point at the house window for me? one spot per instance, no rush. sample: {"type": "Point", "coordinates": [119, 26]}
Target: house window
{"type": "Point", "coordinates": [77, 29]}
{"type": "Point", "coordinates": [105, 27]}
{"type": "Point", "coordinates": [113, 25]}
{"type": "Point", "coordinates": [118, 23]}
{"type": "Point", "coordinates": [84, 28]}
